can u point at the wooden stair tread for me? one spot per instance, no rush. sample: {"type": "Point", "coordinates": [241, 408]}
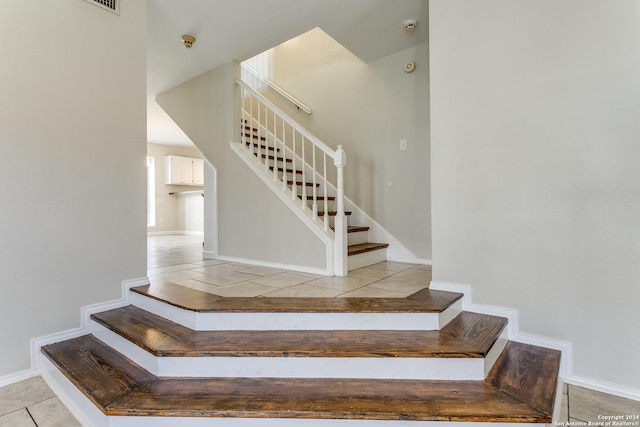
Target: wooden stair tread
{"type": "Point", "coordinates": [97, 370]}
{"type": "Point", "coordinates": [270, 157]}
{"type": "Point", "coordinates": [424, 301]}
{"type": "Point", "coordinates": [528, 373]}
{"type": "Point", "coordinates": [300, 183]}
{"type": "Point", "coordinates": [162, 337]}
{"type": "Point", "coordinates": [333, 213]}
{"type": "Point", "coordinates": [479, 331]}
{"type": "Point", "coordinates": [356, 228]}
{"type": "Point", "coordinates": [263, 147]}
{"type": "Point", "coordinates": [307, 398]}
{"type": "Point", "coordinates": [365, 247]}
{"type": "Point", "coordinates": [318, 198]}
{"type": "Point", "coordinates": [298, 172]}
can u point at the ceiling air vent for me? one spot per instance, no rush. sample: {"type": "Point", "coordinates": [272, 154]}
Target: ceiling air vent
{"type": "Point", "coordinates": [110, 5]}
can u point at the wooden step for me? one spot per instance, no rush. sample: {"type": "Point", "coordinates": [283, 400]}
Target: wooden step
{"type": "Point", "coordinates": [254, 136]}
{"type": "Point", "coordinates": [356, 229]}
{"type": "Point", "coordinates": [298, 172]}
{"type": "Point", "coordinates": [424, 301]}
{"type": "Point", "coordinates": [262, 147]}
{"type": "Point", "coordinates": [365, 247]}
{"type": "Point", "coordinates": [318, 198]}
{"type": "Point", "coordinates": [119, 387]}
{"type": "Point", "coordinates": [300, 183]}
{"type": "Point", "coordinates": [270, 157]}
{"type": "Point", "coordinates": [333, 213]}
{"type": "Point", "coordinates": [469, 335]}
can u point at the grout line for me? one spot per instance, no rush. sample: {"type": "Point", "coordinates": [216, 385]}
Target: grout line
{"type": "Point", "coordinates": [31, 416]}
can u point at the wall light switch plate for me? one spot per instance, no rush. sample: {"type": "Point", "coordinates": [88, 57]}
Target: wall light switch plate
{"type": "Point", "coordinates": [403, 144]}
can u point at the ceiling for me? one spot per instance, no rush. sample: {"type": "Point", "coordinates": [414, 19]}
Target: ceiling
{"type": "Point", "coordinates": [227, 30]}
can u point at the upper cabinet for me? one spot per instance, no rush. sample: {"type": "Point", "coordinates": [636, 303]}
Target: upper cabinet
{"type": "Point", "coordinates": [183, 170]}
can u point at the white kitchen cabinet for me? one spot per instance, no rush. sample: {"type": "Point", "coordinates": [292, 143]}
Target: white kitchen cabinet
{"type": "Point", "coordinates": [183, 171]}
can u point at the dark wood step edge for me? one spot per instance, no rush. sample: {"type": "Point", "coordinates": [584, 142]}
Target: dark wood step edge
{"type": "Point", "coordinates": [424, 301]}
{"type": "Point", "coordinates": [529, 374]}
{"type": "Point", "coordinates": [362, 248]}
{"type": "Point", "coordinates": [119, 387]}
{"type": "Point", "coordinates": [102, 374]}
{"type": "Point", "coordinates": [162, 337]}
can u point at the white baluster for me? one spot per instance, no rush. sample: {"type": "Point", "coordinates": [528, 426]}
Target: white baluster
{"type": "Point", "coordinates": [250, 123]}
{"type": "Point", "coordinates": [304, 177]}
{"type": "Point", "coordinates": [259, 132]}
{"type": "Point", "coordinates": [266, 139]}
{"type": "Point", "coordinates": [243, 116]}
{"type": "Point", "coordinates": [326, 205]}
{"type": "Point", "coordinates": [284, 158]}
{"type": "Point", "coordinates": [275, 148]}
{"type": "Point", "coordinates": [294, 187]}
{"type": "Point", "coordinates": [315, 192]}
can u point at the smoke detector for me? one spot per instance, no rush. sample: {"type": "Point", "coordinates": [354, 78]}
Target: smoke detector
{"type": "Point", "coordinates": [410, 24]}
{"type": "Point", "coordinates": [188, 41]}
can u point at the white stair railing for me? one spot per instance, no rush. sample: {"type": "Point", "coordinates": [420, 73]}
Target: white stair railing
{"type": "Point", "coordinates": [288, 152]}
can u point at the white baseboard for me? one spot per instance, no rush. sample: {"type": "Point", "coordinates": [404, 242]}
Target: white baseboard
{"type": "Point", "coordinates": [209, 255]}
{"type": "Point", "coordinates": [604, 387]}
{"type": "Point", "coordinates": [566, 364]}
{"type": "Point", "coordinates": [85, 314]}
{"type": "Point", "coordinates": [16, 377]}
{"type": "Point", "coordinates": [299, 268]}
{"type": "Point", "coordinates": [423, 261]}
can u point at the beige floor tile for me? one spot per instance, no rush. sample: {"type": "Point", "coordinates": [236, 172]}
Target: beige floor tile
{"type": "Point", "coordinates": [284, 280]}
{"type": "Point", "coordinates": [423, 267]}
{"type": "Point", "coordinates": [586, 404]}
{"type": "Point", "coordinates": [244, 289]}
{"type": "Point", "coordinates": [220, 268]}
{"type": "Point", "coordinates": [208, 262]}
{"type": "Point", "coordinates": [261, 271]}
{"type": "Point", "coordinates": [52, 413]}
{"type": "Point", "coordinates": [19, 418]}
{"type": "Point", "coordinates": [23, 394]}
{"type": "Point", "coordinates": [372, 292]}
{"type": "Point", "coordinates": [196, 284]}
{"type": "Point", "coordinates": [399, 285]}
{"type": "Point", "coordinates": [391, 266]}
{"type": "Point", "coordinates": [226, 278]}
{"type": "Point", "coordinates": [344, 284]}
{"type": "Point", "coordinates": [304, 290]}
{"type": "Point", "coordinates": [171, 276]}
{"type": "Point", "coordinates": [415, 274]}
{"type": "Point", "coordinates": [370, 273]}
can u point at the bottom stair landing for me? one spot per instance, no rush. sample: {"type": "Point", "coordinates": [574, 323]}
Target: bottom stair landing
{"type": "Point", "coordinates": [119, 387]}
{"type": "Point", "coordinates": [114, 390]}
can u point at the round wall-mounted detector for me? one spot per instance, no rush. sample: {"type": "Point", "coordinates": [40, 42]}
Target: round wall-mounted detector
{"type": "Point", "coordinates": [409, 67]}
{"type": "Point", "coordinates": [410, 24]}
{"type": "Point", "coordinates": [188, 41]}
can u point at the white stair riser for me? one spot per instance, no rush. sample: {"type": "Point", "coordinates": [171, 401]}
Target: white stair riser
{"type": "Point", "coordinates": [357, 238]}
{"type": "Point", "coordinates": [298, 367]}
{"type": "Point", "coordinates": [297, 321]}
{"type": "Point", "coordinates": [367, 258]}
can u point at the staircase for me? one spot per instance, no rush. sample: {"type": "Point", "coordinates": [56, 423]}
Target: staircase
{"type": "Point", "coordinates": [295, 164]}
{"type": "Point", "coordinates": [175, 356]}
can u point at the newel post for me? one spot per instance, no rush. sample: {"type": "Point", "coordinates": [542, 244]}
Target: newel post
{"type": "Point", "coordinates": [340, 251]}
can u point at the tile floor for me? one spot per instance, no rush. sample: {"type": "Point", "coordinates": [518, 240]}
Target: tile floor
{"type": "Point", "coordinates": [228, 279]}
{"type": "Point", "coordinates": [179, 259]}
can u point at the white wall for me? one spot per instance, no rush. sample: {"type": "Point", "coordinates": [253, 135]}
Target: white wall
{"type": "Point", "coordinates": [72, 164]}
{"type": "Point", "coordinates": [174, 211]}
{"type": "Point", "coordinates": [536, 184]}
{"type": "Point", "coordinates": [368, 108]}
{"type": "Point", "coordinates": [253, 223]}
